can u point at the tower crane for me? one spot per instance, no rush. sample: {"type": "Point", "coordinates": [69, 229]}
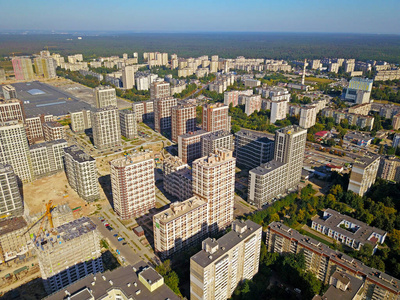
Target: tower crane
{"type": "Point", "coordinates": [46, 215]}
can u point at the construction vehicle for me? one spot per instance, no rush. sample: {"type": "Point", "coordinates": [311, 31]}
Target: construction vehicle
{"type": "Point", "coordinates": [46, 215]}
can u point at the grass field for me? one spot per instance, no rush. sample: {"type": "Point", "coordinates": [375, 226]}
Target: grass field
{"type": "Point", "coordinates": [319, 80]}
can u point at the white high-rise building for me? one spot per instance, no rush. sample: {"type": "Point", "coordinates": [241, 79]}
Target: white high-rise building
{"type": "Point", "coordinates": [278, 110]}
{"type": "Point", "coordinates": [128, 77]}
{"type": "Point", "coordinates": [105, 96]}
{"type": "Point", "coordinates": [308, 116]}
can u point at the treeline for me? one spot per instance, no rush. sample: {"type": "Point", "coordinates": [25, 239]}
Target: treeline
{"type": "Point", "coordinates": [104, 70]}
{"type": "Point", "coordinates": [75, 76]}
{"type": "Point", "coordinates": [190, 88]}
{"type": "Point", "coordinates": [389, 91]}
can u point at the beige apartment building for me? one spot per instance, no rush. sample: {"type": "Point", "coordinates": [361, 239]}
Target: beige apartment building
{"type": "Point", "coordinates": [222, 264]}
{"type": "Point", "coordinates": [105, 96]}
{"type": "Point", "coordinates": [81, 172]}
{"type": "Point", "coordinates": [71, 254]}
{"type": "Point", "coordinates": [183, 119]}
{"type": "Point", "coordinates": [159, 89]}
{"type": "Point", "coordinates": [177, 178]}
{"type": "Point", "coordinates": [106, 127]}
{"type": "Point", "coordinates": [324, 262]}
{"type": "Point", "coordinates": [53, 131]}
{"type": "Point", "coordinates": [14, 149]}
{"type": "Point", "coordinates": [163, 113]}
{"type": "Point", "coordinates": [128, 123]}
{"type": "Point", "coordinates": [215, 117]}
{"type": "Point", "coordinates": [12, 109]}
{"type": "Point", "coordinates": [363, 174]}
{"type": "Point", "coordinates": [360, 109]}
{"type": "Point", "coordinates": [11, 204]}
{"type": "Point", "coordinates": [132, 182]}
{"type": "Point", "coordinates": [80, 120]}
{"type": "Point", "coordinates": [308, 116]}
{"type": "Point", "coordinates": [396, 122]}
{"type": "Point", "coordinates": [181, 226]}
{"type": "Point", "coordinates": [215, 140]}
{"type": "Point", "coordinates": [214, 182]}
{"type": "Point", "coordinates": [389, 168]}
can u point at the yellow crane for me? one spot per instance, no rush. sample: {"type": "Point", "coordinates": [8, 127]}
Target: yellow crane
{"type": "Point", "coordinates": [46, 215]}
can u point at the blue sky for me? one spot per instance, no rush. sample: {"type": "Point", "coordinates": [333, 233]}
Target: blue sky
{"type": "Point", "coordinates": [355, 16]}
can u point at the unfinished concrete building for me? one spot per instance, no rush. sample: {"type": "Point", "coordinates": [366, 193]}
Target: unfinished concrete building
{"type": "Point", "coordinates": [11, 204]}
{"type": "Point", "coordinates": [71, 253]}
{"type": "Point", "coordinates": [14, 240]}
{"type": "Point", "coordinates": [132, 182]}
{"type": "Point", "coordinates": [177, 178]}
{"type": "Point", "coordinates": [47, 158]}
{"type": "Point", "coordinates": [81, 172]}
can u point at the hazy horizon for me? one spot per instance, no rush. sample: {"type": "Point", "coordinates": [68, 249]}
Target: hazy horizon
{"type": "Point", "coordinates": [179, 16]}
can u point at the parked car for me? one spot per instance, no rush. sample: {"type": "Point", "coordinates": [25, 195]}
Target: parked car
{"type": "Point", "coordinates": [120, 239]}
{"type": "Point", "coordinates": [118, 252]}
{"type": "Point", "coordinates": [116, 234]}
{"type": "Point", "coordinates": [110, 228]}
{"type": "Point", "coordinates": [106, 224]}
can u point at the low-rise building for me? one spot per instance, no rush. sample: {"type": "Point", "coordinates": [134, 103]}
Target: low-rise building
{"type": "Point", "coordinates": [347, 230]}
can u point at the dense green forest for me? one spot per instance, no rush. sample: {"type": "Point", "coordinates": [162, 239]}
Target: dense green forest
{"type": "Point", "coordinates": [228, 45]}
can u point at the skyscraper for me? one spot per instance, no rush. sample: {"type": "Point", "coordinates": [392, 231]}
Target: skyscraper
{"type": "Point", "coordinates": [132, 182]}
{"type": "Point", "coordinates": [183, 119]}
{"type": "Point", "coordinates": [214, 182]}
{"type": "Point", "coordinates": [106, 127]}
{"type": "Point", "coordinates": [10, 198]}
{"type": "Point", "coordinates": [14, 149]}
{"type": "Point", "coordinates": [215, 117]}
{"type": "Point", "coordinates": [105, 96]}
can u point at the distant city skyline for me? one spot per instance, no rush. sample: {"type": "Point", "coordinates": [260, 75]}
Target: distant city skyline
{"type": "Point", "coordinates": [341, 16]}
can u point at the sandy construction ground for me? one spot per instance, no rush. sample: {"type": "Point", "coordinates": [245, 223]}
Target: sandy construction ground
{"type": "Point", "coordinates": [55, 188]}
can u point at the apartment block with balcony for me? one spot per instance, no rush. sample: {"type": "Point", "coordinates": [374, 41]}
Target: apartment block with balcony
{"type": "Point", "coordinates": [189, 145]}
{"type": "Point", "coordinates": [363, 174]}
{"type": "Point", "coordinates": [11, 204]}
{"type": "Point", "coordinates": [177, 178]}
{"type": "Point", "coordinates": [218, 139]}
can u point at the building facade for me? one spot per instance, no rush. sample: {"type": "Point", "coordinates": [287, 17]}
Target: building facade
{"type": "Point", "coordinates": [53, 131]}
{"type": "Point", "coordinates": [159, 89]}
{"type": "Point", "coordinates": [189, 145]}
{"type": "Point", "coordinates": [177, 178]}
{"type": "Point", "coordinates": [23, 69]}
{"type": "Point", "coordinates": [216, 118]}
{"type": "Point", "coordinates": [106, 127]}
{"type": "Point", "coordinates": [128, 123]}
{"type": "Point", "coordinates": [163, 113]}
{"type": "Point", "coordinates": [363, 174]}
{"type": "Point", "coordinates": [105, 96]}
{"type": "Point", "coordinates": [215, 140]}
{"type": "Point", "coordinates": [132, 182]}
{"type": "Point", "coordinates": [11, 204]}
{"type": "Point", "coordinates": [80, 120]}
{"type": "Point", "coordinates": [183, 119]}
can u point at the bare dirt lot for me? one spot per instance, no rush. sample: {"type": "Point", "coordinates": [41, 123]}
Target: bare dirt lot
{"type": "Point", "coordinates": [55, 188]}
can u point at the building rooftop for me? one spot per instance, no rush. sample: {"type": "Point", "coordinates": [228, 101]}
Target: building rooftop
{"type": "Point", "coordinates": [218, 248]}
{"type": "Point", "coordinates": [178, 209]}
{"type": "Point", "coordinates": [256, 135]}
{"type": "Point", "coordinates": [49, 144]}
{"type": "Point", "coordinates": [78, 154]}
{"type": "Point", "coordinates": [353, 287]}
{"type": "Point", "coordinates": [267, 167]}
{"type": "Point", "coordinates": [345, 261]}
{"type": "Point", "coordinates": [131, 158]}
{"type": "Point", "coordinates": [215, 158]}
{"type": "Point", "coordinates": [127, 112]}
{"type": "Point", "coordinates": [216, 135]}
{"type": "Point", "coordinates": [123, 279]}
{"type": "Point", "coordinates": [194, 133]}
{"type": "Point", "coordinates": [365, 161]}
{"type": "Point", "coordinates": [10, 225]}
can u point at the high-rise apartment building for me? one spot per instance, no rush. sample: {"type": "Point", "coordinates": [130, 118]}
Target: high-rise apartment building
{"type": "Point", "coordinates": [323, 261]}
{"type": "Point", "coordinates": [308, 116]}
{"type": "Point", "coordinates": [283, 173]}
{"type": "Point", "coordinates": [11, 204]}
{"type": "Point", "coordinates": [53, 131]}
{"type": "Point", "coordinates": [278, 110]}
{"type": "Point", "coordinates": [252, 148]}
{"type": "Point", "coordinates": [106, 127]}
{"type": "Point", "coordinates": [159, 89]}
{"type": "Point", "coordinates": [23, 69]}
{"type": "Point", "coordinates": [11, 110]}
{"type": "Point", "coordinates": [389, 168]}
{"type": "Point", "coordinates": [128, 77]}
{"type": "Point", "coordinates": [359, 90]}
{"type": "Point", "coordinates": [218, 139]}
{"type": "Point", "coordinates": [80, 120]}
{"type": "Point", "coordinates": [177, 178]}
{"type": "Point", "coordinates": [396, 122]}
{"type": "Point", "coordinates": [132, 182]}
{"type": "Point", "coordinates": [363, 174]}
{"type": "Point", "coordinates": [47, 158]}
{"type": "Point", "coordinates": [231, 97]}
{"type": "Point", "coordinates": [81, 172]}
{"type": "Point", "coordinates": [45, 67]}
{"type": "Point", "coordinates": [183, 119]}
{"type": "Point", "coordinates": [222, 264]}
{"type": "Point", "coordinates": [72, 253]}
{"type": "Point", "coordinates": [34, 127]}
{"type": "Point", "coordinates": [138, 109]}
{"type": "Point", "coordinates": [396, 140]}
{"type": "Point", "coordinates": [214, 182]}
{"type": "Point", "coordinates": [181, 226]}
{"type": "Point", "coordinates": [290, 143]}
{"type": "Point", "coordinates": [9, 92]}
{"type": "Point", "coordinates": [128, 123]}
{"type": "Point", "coordinates": [252, 104]}
{"type": "Point", "coordinates": [215, 117]}
{"type": "Point", "coordinates": [163, 113]}
{"type": "Point", "coordinates": [105, 96]}
{"type": "Point", "coordinates": [189, 145]}
{"type": "Point", "coordinates": [14, 149]}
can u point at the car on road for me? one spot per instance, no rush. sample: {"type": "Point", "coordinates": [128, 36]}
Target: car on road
{"type": "Point", "coordinates": [116, 234]}
{"type": "Point", "coordinates": [120, 239]}
{"type": "Point", "coordinates": [106, 224]}
{"type": "Point", "coordinates": [124, 243]}
{"type": "Point", "coordinates": [118, 252]}
{"type": "Point", "coordinates": [110, 228]}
